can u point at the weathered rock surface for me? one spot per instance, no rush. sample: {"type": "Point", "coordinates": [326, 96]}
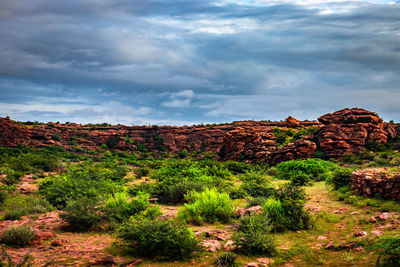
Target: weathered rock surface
{"type": "Point", "coordinates": [347, 131]}
{"type": "Point", "coordinates": [299, 149]}
{"type": "Point", "coordinates": [340, 133]}
{"type": "Point", "coordinates": [376, 181]}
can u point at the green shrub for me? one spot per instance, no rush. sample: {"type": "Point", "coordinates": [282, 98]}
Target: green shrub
{"type": "Point", "coordinates": [256, 185]}
{"type": "Point", "coordinates": [19, 205]}
{"type": "Point", "coordinates": [287, 214]}
{"type": "Point", "coordinates": [388, 249]}
{"type": "Point", "coordinates": [182, 154]}
{"type": "Point", "coordinates": [12, 177]}
{"type": "Point", "coordinates": [141, 172]}
{"type": "Point", "coordinates": [119, 208]}
{"type": "Point", "coordinates": [165, 240]}
{"type": "Point", "coordinates": [300, 179]}
{"type": "Point", "coordinates": [14, 214]}
{"type": "Point", "coordinates": [316, 169]}
{"type": "Point", "coordinates": [285, 136]}
{"type": "Point", "coordinates": [188, 174]}
{"type": "Point", "coordinates": [252, 235]}
{"type": "Point", "coordinates": [17, 235]}
{"type": "Point", "coordinates": [236, 167]}
{"type": "Point", "coordinates": [291, 192]}
{"type": "Point", "coordinates": [340, 178]}
{"type": "Point", "coordinates": [256, 201]}
{"type": "Point", "coordinates": [82, 214]}
{"type": "Point", "coordinates": [226, 259]}
{"type": "Point", "coordinates": [113, 141]}
{"type": "Point", "coordinates": [81, 181]}
{"type": "Point", "coordinates": [56, 137]}
{"type": "Point", "coordinates": [27, 163]}
{"type": "Point", "coordinates": [208, 206]}
{"type": "Point", "coordinates": [3, 196]}
{"type": "Point", "coordinates": [274, 209]}
{"type": "Point", "coordinates": [177, 192]}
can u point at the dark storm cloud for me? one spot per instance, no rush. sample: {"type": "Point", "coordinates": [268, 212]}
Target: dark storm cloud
{"type": "Point", "coordinates": [76, 60]}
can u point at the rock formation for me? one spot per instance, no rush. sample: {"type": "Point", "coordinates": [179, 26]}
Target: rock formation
{"type": "Point", "coordinates": [347, 131]}
{"type": "Point", "coordinates": [376, 182]}
{"type": "Point", "coordinates": [339, 133]}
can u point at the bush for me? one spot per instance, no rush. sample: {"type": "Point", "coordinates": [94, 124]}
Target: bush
{"type": "Point", "coordinates": [274, 209]}
{"type": "Point", "coordinates": [177, 192]}
{"type": "Point", "coordinates": [17, 206]}
{"type": "Point", "coordinates": [300, 179]}
{"type": "Point", "coordinates": [253, 236]}
{"type": "Point", "coordinates": [17, 236]}
{"type": "Point", "coordinates": [316, 169]}
{"type": "Point", "coordinates": [27, 163]}
{"type": "Point", "coordinates": [14, 214]}
{"type": "Point", "coordinates": [291, 192]}
{"type": "Point", "coordinates": [256, 201]}
{"type": "Point", "coordinates": [157, 238]}
{"type": "Point", "coordinates": [256, 185]}
{"type": "Point", "coordinates": [3, 196]}
{"type": "Point", "coordinates": [236, 167]}
{"type": "Point", "coordinates": [388, 251]}
{"type": "Point", "coordinates": [340, 178]}
{"type": "Point", "coordinates": [207, 206]}
{"type": "Point", "coordinates": [81, 181]}
{"type": "Point", "coordinates": [188, 174]}
{"type": "Point", "coordinates": [82, 214]}
{"type": "Point", "coordinates": [141, 172]}
{"type": "Point", "coordinates": [287, 214]}
{"type": "Point", "coordinates": [119, 208]}
{"type": "Point", "coordinates": [226, 259]}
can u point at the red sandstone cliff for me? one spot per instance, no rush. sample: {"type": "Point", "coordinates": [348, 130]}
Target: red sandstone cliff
{"type": "Point", "coordinates": [342, 132]}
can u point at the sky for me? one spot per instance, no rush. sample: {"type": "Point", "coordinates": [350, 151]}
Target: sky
{"type": "Point", "coordinates": [183, 62]}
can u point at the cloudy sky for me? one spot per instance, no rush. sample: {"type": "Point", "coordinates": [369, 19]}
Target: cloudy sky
{"type": "Point", "coordinates": [182, 61]}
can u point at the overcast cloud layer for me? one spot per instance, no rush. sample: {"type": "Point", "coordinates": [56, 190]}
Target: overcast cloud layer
{"type": "Point", "coordinates": [183, 62]}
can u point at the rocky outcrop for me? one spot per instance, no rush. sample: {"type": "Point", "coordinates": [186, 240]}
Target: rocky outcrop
{"type": "Point", "coordinates": [376, 182]}
{"type": "Point", "coordinates": [339, 133]}
{"type": "Point", "coordinates": [248, 143]}
{"type": "Point", "coordinates": [300, 149]}
{"type": "Point", "coordinates": [347, 131]}
{"type": "Point", "coordinates": [249, 139]}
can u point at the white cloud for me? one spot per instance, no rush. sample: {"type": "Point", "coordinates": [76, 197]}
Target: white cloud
{"type": "Point", "coordinates": [184, 93]}
{"type": "Point", "coordinates": [176, 103]}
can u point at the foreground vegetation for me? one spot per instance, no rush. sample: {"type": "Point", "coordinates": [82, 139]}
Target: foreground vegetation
{"type": "Point", "coordinates": [162, 207]}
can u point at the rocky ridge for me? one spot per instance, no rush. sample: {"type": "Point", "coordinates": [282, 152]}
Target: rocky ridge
{"type": "Point", "coordinates": [339, 133]}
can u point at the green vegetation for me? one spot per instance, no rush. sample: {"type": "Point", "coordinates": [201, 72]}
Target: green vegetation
{"type": "Point", "coordinates": [165, 240]}
{"type": "Point", "coordinates": [285, 136]}
{"type": "Point", "coordinates": [17, 236]}
{"type": "Point", "coordinates": [119, 208]}
{"type": "Point", "coordinates": [111, 198]}
{"type": "Point", "coordinates": [81, 214]}
{"type": "Point", "coordinates": [302, 172]}
{"type": "Point", "coordinates": [253, 235]}
{"type": "Point", "coordinates": [84, 180]}
{"type": "Point", "coordinates": [16, 206]}
{"type": "Point", "coordinates": [388, 251]}
{"type": "Point", "coordinates": [226, 259]}
{"type": "Point", "coordinates": [208, 206]}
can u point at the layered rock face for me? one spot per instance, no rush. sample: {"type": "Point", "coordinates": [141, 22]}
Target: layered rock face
{"type": "Point", "coordinates": [348, 131]}
{"type": "Point", "coordinates": [339, 133]}
{"type": "Point", "coordinates": [252, 139]}
{"type": "Point", "coordinates": [376, 182]}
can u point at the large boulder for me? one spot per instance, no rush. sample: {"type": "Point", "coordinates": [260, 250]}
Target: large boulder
{"type": "Point", "coordinates": [347, 131]}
